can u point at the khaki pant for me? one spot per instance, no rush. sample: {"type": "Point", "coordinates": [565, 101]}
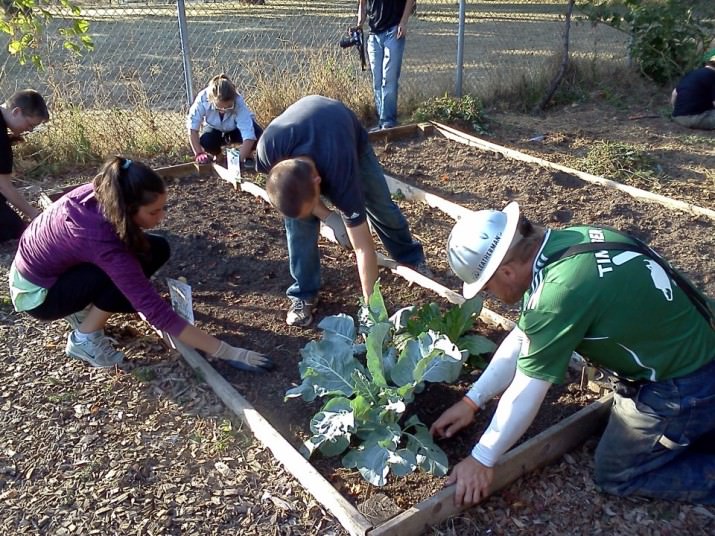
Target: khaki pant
{"type": "Point", "coordinates": [705, 120]}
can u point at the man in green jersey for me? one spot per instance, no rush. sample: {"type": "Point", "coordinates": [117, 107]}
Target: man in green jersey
{"type": "Point", "coordinates": [620, 308]}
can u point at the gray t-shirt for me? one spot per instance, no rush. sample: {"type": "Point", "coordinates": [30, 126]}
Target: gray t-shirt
{"type": "Point", "coordinates": [330, 134]}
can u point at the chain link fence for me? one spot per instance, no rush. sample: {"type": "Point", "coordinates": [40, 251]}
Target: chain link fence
{"type": "Point", "coordinates": [130, 93]}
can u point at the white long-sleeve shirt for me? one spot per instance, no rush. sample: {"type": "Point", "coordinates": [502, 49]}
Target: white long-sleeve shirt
{"type": "Point", "coordinates": [240, 117]}
{"type": "Point", "coordinates": [518, 405]}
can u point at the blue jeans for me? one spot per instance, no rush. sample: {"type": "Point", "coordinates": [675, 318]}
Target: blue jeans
{"type": "Point", "coordinates": [384, 217]}
{"type": "Point", "coordinates": [385, 52]}
{"type": "Point", "coordinates": [660, 443]}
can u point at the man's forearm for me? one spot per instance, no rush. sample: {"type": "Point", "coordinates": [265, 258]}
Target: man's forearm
{"type": "Point", "coordinates": [409, 7]}
{"type": "Point", "coordinates": [515, 412]}
{"type": "Point", "coordinates": [500, 371]}
{"type": "Point", "coordinates": [367, 270]}
{"type": "Point", "coordinates": [361, 13]}
{"type": "Point", "coordinates": [15, 198]}
{"type": "Point", "coordinates": [194, 142]}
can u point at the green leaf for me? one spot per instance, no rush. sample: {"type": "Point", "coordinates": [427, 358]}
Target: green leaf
{"type": "Point", "coordinates": [333, 426]}
{"type": "Point", "coordinates": [401, 316]}
{"type": "Point", "coordinates": [476, 344]}
{"type": "Point", "coordinates": [81, 26]}
{"type": "Point", "coordinates": [340, 325]}
{"type": "Point", "coordinates": [326, 368]}
{"type": "Point", "coordinates": [403, 371]}
{"type": "Point", "coordinates": [375, 342]}
{"type": "Point", "coordinates": [402, 462]}
{"type": "Point", "coordinates": [72, 47]}
{"type": "Point", "coordinates": [14, 47]}
{"type": "Point", "coordinates": [372, 462]}
{"type": "Point", "coordinates": [430, 458]}
{"type": "Point", "coordinates": [376, 305]}
{"type": "Point", "coordinates": [427, 317]}
{"type": "Point", "coordinates": [361, 408]}
{"type": "Point", "coordinates": [461, 318]}
{"type": "Point", "coordinates": [442, 361]}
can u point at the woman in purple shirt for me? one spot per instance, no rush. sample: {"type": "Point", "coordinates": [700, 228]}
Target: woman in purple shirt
{"type": "Point", "coordinates": [87, 256]}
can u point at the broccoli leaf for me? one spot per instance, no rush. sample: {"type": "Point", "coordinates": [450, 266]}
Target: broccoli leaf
{"type": "Point", "coordinates": [326, 368]}
{"type": "Point", "coordinates": [332, 426]}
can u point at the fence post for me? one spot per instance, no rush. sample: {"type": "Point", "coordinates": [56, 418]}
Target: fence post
{"type": "Point", "coordinates": [460, 48]}
{"type": "Point", "coordinates": [185, 53]}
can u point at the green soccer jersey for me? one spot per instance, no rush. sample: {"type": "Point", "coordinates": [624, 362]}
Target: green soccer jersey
{"type": "Point", "coordinates": [619, 309]}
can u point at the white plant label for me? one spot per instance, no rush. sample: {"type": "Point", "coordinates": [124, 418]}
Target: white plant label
{"type": "Point", "coordinates": [180, 293]}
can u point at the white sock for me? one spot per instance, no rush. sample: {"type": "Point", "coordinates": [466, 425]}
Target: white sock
{"type": "Point", "coordinates": [82, 337]}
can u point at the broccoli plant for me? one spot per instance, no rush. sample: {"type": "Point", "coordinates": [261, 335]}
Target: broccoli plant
{"type": "Point", "coordinates": [366, 397]}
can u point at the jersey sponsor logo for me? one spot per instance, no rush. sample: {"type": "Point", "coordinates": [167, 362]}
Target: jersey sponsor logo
{"type": "Point", "coordinates": [603, 259]}
{"type": "Point", "coordinates": [658, 275]}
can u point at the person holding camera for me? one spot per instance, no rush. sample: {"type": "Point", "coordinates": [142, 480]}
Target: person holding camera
{"type": "Point", "coordinates": [317, 147]}
{"type": "Point", "coordinates": [385, 47]}
{"type": "Point", "coordinates": [226, 119]}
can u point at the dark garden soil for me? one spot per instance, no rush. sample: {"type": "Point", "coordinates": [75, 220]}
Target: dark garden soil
{"type": "Point", "coordinates": [231, 248]}
{"type": "Point", "coordinates": [149, 448]}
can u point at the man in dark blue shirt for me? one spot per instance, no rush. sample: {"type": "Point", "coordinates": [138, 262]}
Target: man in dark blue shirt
{"type": "Point", "coordinates": [693, 99]}
{"type": "Point", "coordinates": [315, 148]}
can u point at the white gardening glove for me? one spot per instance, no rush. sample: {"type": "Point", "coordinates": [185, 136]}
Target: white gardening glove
{"type": "Point", "coordinates": [243, 359]}
{"type": "Point", "coordinates": [335, 222]}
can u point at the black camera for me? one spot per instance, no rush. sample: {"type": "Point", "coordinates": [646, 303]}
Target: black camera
{"type": "Point", "coordinates": [354, 38]}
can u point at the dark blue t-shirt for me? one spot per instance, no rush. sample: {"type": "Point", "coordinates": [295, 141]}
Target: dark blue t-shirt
{"type": "Point", "coordinates": [330, 134]}
{"type": "Point", "coordinates": [384, 14]}
{"type": "Point", "coordinates": [696, 92]}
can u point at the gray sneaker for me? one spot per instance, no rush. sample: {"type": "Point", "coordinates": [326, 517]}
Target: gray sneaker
{"type": "Point", "coordinates": [301, 312]}
{"type": "Point", "coordinates": [75, 319]}
{"type": "Point", "coordinates": [97, 351]}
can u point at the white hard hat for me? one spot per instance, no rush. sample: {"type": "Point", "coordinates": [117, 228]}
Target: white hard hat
{"type": "Point", "coordinates": [478, 244]}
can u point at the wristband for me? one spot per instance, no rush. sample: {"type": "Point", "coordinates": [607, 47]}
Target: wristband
{"type": "Point", "coordinates": [471, 403]}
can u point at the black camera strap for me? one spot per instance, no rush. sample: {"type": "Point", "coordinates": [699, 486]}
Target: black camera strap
{"type": "Point", "coordinates": [699, 301]}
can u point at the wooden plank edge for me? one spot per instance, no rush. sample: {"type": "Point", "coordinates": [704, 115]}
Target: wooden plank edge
{"type": "Point", "coordinates": [413, 193]}
{"type": "Point", "coordinates": [400, 132]}
{"type": "Point", "coordinates": [311, 480]}
{"type": "Point", "coordinates": [540, 450]}
{"type": "Point", "coordinates": [178, 170]}
{"type": "Point", "coordinates": [637, 193]}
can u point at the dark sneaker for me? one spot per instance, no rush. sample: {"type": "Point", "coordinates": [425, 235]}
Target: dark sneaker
{"type": "Point", "coordinates": [422, 269]}
{"type": "Point", "coordinates": [97, 351]}
{"type": "Point", "coordinates": [301, 312]}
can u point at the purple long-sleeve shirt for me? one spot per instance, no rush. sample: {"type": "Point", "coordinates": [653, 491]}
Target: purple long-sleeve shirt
{"type": "Point", "coordinates": [74, 231]}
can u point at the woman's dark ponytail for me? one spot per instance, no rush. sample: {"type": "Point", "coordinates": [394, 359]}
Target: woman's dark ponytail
{"type": "Point", "coordinates": [121, 187]}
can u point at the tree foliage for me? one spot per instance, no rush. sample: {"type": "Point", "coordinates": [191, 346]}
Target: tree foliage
{"type": "Point", "coordinates": [27, 23]}
{"type": "Point", "coordinates": [667, 37]}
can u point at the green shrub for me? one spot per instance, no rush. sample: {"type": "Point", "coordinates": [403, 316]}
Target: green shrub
{"type": "Point", "coordinates": [447, 109]}
{"type": "Point", "coordinates": [668, 38]}
{"type": "Point", "coordinates": [619, 161]}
